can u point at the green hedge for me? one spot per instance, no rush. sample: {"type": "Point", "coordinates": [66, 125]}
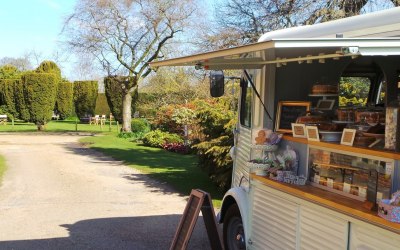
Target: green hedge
{"type": "Point", "coordinates": [114, 96]}
{"type": "Point", "coordinates": [49, 67]}
{"type": "Point", "coordinates": [85, 96]}
{"type": "Point", "coordinates": [20, 101]}
{"type": "Point", "coordinates": [102, 107]}
{"type": "Point", "coordinates": [64, 100]}
{"type": "Point", "coordinates": [40, 95]}
{"type": "Point", "coordinates": [7, 96]}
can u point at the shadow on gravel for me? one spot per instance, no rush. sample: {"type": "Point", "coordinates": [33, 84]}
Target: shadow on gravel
{"type": "Point", "coordinates": [169, 168]}
{"type": "Point", "coordinates": [147, 232]}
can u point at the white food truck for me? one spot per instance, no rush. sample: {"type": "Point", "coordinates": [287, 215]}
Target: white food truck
{"type": "Point", "coordinates": [323, 185]}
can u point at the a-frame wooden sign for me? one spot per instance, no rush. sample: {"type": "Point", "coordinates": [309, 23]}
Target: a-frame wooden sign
{"type": "Point", "coordinates": [198, 200]}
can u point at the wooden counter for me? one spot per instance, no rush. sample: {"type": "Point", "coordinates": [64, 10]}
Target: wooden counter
{"type": "Point", "coordinates": [332, 201]}
{"type": "Point", "coordinates": [359, 150]}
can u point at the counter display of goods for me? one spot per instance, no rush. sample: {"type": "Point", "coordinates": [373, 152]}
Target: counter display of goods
{"type": "Point", "coordinates": [359, 178]}
{"type": "Point", "coordinates": [372, 117]}
{"type": "Point", "coordinates": [270, 161]}
{"type": "Point", "coordinates": [312, 118]}
{"type": "Point", "coordinates": [345, 114]}
{"type": "Point", "coordinates": [324, 89]}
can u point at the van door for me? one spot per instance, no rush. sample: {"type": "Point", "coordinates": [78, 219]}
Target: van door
{"type": "Point", "coordinates": [242, 132]}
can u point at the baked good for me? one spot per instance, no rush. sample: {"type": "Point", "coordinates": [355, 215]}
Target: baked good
{"type": "Point", "coordinates": [324, 89]}
{"type": "Point", "coordinates": [331, 127]}
{"type": "Point", "coordinates": [370, 117]}
{"type": "Point", "coordinates": [345, 114]}
{"type": "Point", "coordinates": [311, 119]}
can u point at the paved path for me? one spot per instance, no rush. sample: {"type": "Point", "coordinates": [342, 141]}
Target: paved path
{"type": "Point", "coordinates": [58, 195]}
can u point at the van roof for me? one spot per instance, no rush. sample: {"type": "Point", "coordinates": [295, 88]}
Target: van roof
{"type": "Point", "coordinates": [299, 44]}
{"type": "Point", "coordinates": [385, 23]}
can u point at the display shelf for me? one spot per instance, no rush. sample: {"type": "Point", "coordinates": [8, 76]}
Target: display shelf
{"type": "Point", "coordinates": [334, 166]}
{"type": "Point", "coordinates": [265, 147]}
{"type": "Point", "coordinates": [324, 96]}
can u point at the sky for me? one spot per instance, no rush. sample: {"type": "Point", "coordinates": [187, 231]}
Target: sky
{"type": "Point", "coordinates": [32, 25]}
{"type": "Point", "coordinates": [28, 26]}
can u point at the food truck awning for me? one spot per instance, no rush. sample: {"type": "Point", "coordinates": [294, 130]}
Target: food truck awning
{"type": "Point", "coordinates": [281, 51]}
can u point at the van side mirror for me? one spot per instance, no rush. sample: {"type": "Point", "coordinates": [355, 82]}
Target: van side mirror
{"type": "Point", "coordinates": [217, 83]}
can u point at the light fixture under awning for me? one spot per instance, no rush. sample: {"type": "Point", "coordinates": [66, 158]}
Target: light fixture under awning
{"type": "Point", "coordinates": [255, 56]}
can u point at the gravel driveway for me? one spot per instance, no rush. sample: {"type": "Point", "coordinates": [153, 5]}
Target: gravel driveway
{"type": "Point", "coordinates": [58, 195]}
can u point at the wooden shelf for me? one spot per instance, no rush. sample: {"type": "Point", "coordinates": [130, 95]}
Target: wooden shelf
{"type": "Point", "coordinates": [334, 166]}
{"type": "Point", "coordinates": [352, 149]}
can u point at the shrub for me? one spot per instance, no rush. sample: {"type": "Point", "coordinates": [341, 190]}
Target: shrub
{"type": "Point", "coordinates": [217, 122]}
{"type": "Point", "coordinates": [114, 94]}
{"type": "Point", "coordinates": [140, 125]}
{"type": "Point", "coordinates": [64, 100]}
{"type": "Point", "coordinates": [40, 93]}
{"type": "Point", "coordinates": [177, 148]}
{"type": "Point", "coordinates": [158, 138]}
{"type": "Point", "coordinates": [102, 107]}
{"type": "Point", "coordinates": [49, 67]}
{"type": "Point", "coordinates": [9, 72]}
{"type": "Point", "coordinates": [20, 101]}
{"type": "Point", "coordinates": [139, 128]}
{"type": "Point", "coordinates": [85, 96]}
{"type": "Point", "coordinates": [7, 96]}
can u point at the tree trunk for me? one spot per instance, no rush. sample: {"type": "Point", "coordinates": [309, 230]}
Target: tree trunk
{"type": "Point", "coordinates": [126, 111]}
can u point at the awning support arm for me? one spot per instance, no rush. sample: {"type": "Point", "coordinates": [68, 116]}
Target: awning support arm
{"type": "Point", "coordinates": [257, 94]}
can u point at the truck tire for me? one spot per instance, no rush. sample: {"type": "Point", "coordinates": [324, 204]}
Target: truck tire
{"type": "Point", "coordinates": [233, 229]}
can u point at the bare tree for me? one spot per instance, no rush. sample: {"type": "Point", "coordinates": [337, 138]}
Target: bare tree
{"type": "Point", "coordinates": [125, 35]}
{"type": "Point", "coordinates": [247, 20]}
{"type": "Point", "coordinates": [22, 64]}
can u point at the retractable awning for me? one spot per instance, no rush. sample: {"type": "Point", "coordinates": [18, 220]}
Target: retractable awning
{"type": "Point", "coordinates": [255, 56]}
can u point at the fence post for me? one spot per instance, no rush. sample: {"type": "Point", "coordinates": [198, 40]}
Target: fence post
{"type": "Point", "coordinates": [117, 126]}
{"type": "Point", "coordinates": [76, 124]}
{"type": "Point", "coordinates": [12, 123]}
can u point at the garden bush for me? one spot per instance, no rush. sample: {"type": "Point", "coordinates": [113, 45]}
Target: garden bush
{"type": "Point", "coordinates": [40, 93]}
{"type": "Point", "coordinates": [20, 102]}
{"type": "Point", "coordinates": [217, 122]}
{"type": "Point", "coordinates": [140, 125]}
{"type": "Point", "coordinates": [114, 96]}
{"type": "Point", "coordinates": [179, 148]}
{"type": "Point", "coordinates": [64, 101]}
{"type": "Point", "coordinates": [85, 96]}
{"type": "Point", "coordinates": [9, 72]}
{"type": "Point", "coordinates": [102, 107]}
{"type": "Point", "coordinates": [49, 67]}
{"type": "Point", "coordinates": [158, 138]}
{"type": "Point", "coordinates": [7, 96]}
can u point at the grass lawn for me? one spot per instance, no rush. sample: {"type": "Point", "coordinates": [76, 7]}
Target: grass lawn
{"type": "Point", "coordinates": [58, 126]}
{"type": "Point", "coordinates": [179, 171]}
{"type": "Point", "coordinates": [2, 167]}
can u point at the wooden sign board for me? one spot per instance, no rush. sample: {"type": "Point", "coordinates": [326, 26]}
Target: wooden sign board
{"type": "Point", "coordinates": [288, 112]}
{"type": "Point", "coordinates": [198, 200]}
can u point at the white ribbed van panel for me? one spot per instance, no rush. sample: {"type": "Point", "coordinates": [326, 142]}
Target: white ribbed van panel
{"type": "Point", "coordinates": [319, 230]}
{"type": "Point", "coordinates": [371, 238]}
{"type": "Point", "coordinates": [274, 222]}
{"type": "Point", "coordinates": [243, 156]}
